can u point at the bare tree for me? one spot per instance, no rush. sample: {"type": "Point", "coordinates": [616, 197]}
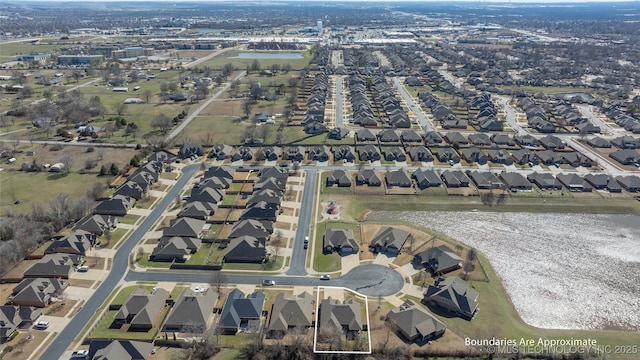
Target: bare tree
{"type": "Point", "coordinates": [120, 109]}
{"type": "Point", "coordinates": [147, 95]}
{"type": "Point", "coordinates": [67, 161]}
{"type": "Point", "coordinates": [218, 280]}
{"type": "Point", "coordinates": [96, 191]}
{"type": "Point", "coordinates": [161, 121]}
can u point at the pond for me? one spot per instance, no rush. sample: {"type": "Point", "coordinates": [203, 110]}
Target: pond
{"type": "Point", "coordinates": [269, 56]}
{"type": "Point", "coordinates": [562, 271]}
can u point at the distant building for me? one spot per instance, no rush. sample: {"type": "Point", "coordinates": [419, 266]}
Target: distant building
{"type": "Point", "coordinates": [78, 59]}
{"type": "Point", "coordinates": [32, 57]}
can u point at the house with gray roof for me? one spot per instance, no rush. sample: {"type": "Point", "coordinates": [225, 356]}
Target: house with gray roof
{"type": "Point", "coordinates": [439, 260]}
{"type": "Point", "coordinates": [574, 182]}
{"type": "Point", "coordinates": [369, 153]}
{"type": "Point", "coordinates": [388, 135]}
{"type": "Point", "coordinates": [432, 138]}
{"type": "Point", "coordinates": [420, 153]}
{"type": "Point", "coordinates": [515, 181]}
{"type": "Point", "coordinates": [548, 157]}
{"type": "Point", "coordinates": [175, 248]}
{"type": "Point", "coordinates": [454, 179]}
{"type": "Point", "coordinates": [410, 136]}
{"type": "Point", "coordinates": [415, 323]}
{"type": "Point", "coordinates": [524, 156]}
{"type": "Point", "coordinates": [206, 195]}
{"type": "Point", "coordinates": [294, 153]}
{"type": "Point", "coordinates": [389, 239]}
{"type": "Point", "coordinates": [340, 240]}
{"type": "Point", "coordinates": [119, 349]}
{"type": "Point", "coordinates": [13, 318]}
{"type": "Point", "coordinates": [480, 139]}
{"type": "Point", "coordinates": [118, 205]}
{"type": "Point", "coordinates": [340, 178]}
{"type": "Point", "coordinates": [142, 309]}
{"type": "Point", "coordinates": [191, 312]}
{"type": "Point", "coordinates": [162, 156]}
{"type": "Point", "coordinates": [244, 153]}
{"type": "Point", "coordinates": [394, 153]}
{"type": "Point", "coordinates": [626, 156]}
{"type": "Point", "coordinates": [249, 227]}
{"type": "Point", "coordinates": [454, 137]}
{"type": "Point", "coordinates": [338, 133]}
{"type": "Point", "coordinates": [368, 177]}
{"type": "Point", "coordinates": [79, 242]}
{"type": "Point", "coordinates": [344, 153]}
{"type": "Point", "coordinates": [598, 142]}
{"type": "Point", "coordinates": [630, 183]}
{"type": "Point", "coordinates": [344, 317]}
{"type": "Point", "coordinates": [485, 180]}
{"type": "Point", "coordinates": [184, 227]}
{"type": "Point", "coordinates": [246, 249]}
{"type": "Point", "coordinates": [270, 183]}
{"type": "Point", "coordinates": [603, 182]}
{"type": "Point", "coordinates": [446, 154]}
{"type": "Point", "coordinates": [474, 155]}
{"type": "Point", "coordinates": [575, 159]}
{"type": "Point", "coordinates": [132, 189]}
{"type": "Point", "coordinates": [96, 224]}
{"type": "Point", "coordinates": [365, 135]}
{"type": "Point", "coordinates": [220, 152]}
{"type": "Point", "coordinates": [291, 312]}
{"type": "Point", "coordinates": [527, 140]}
{"type": "Point", "coordinates": [502, 140]}
{"type": "Point", "coordinates": [552, 142]}
{"type": "Point", "coordinates": [499, 156]}
{"type": "Point", "coordinates": [188, 150]}
{"type": "Point", "coordinates": [260, 211]}
{"type": "Point", "coordinates": [453, 294]}
{"type": "Point", "coordinates": [398, 178]}
{"type": "Point", "coordinates": [197, 210]}
{"type": "Point", "coordinates": [544, 181]}
{"type": "Point", "coordinates": [426, 178]}
{"type": "Point", "coordinates": [37, 292]}
{"type": "Point", "coordinates": [241, 312]}
{"type": "Point", "coordinates": [626, 142]}
{"type": "Point", "coordinates": [319, 153]}
{"type": "Point", "coordinates": [223, 172]}
{"type": "Point", "coordinates": [56, 265]}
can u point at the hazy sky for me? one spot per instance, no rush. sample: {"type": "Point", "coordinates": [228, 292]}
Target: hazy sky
{"type": "Point", "coordinates": [378, 1]}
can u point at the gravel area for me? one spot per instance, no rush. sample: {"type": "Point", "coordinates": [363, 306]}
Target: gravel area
{"type": "Point", "coordinates": [566, 271]}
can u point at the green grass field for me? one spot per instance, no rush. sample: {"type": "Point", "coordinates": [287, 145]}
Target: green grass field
{"type": "Point", "coordinates": [219, 61]}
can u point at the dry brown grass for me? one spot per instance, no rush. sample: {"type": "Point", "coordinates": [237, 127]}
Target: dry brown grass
{"type": "Point", "coordinates": [60, 308]}
{"type": "Point", "coordinates": [81, 283]}
{"type": "Point", "coordinates": [5, 291]}
{"type": "Point", "coordinates": [23, 349]}
{"type": "Point", "coordinates": [369, 190]}
{"type": "Point", "coordinates": [221, 214]}
{"type": "Point", "coordinates": [18, 270]}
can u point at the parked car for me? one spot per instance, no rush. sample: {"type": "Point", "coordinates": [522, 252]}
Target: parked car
{"type": "Point", "coordinates": [41, 325]}
{"type": "Point", "coordinates": [83, 268]}
{"type": "Point", "coordinates": [325, 277]}
{"type": "Point", "coordinates": [267, 282]}
{"type": "Point", "coordinates": [306, 239]}
{"type": "Point", "coordinates": [80, 354]}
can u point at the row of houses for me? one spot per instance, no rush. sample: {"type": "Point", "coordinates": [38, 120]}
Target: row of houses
{"type": "Point", "coordinates": [426, 178]}
{"type": "Point", "coordinates": [388, 240]}
{"type": "Point", "coordinates": [442, 112]}
{"type": "Point", "coordinates": [384, 96]}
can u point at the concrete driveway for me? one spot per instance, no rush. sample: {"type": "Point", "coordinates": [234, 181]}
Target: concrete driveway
{"type": "Point", "coordinates": [349, 262]}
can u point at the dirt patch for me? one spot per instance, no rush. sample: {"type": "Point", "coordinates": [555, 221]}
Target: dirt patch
{"type": "Point", "coordinates": [60, 308]}
{"type": "Point", "coordinates": [220, 215]}
{"type": "Point", "coordinates": [16, 274]}
{"type": "Point", "coordinates": [224, 232]}
{"type": "Point", "coordinates": [462, 191]}
{"type": "Point", "coordinates": [23, 348]}
{"type": "Point", "coordinates": [5, 291]}
{"type": "Point", "coordinates": [369, 190]}
{"type": "Point", "coordinates": [401, 190]}
{"type": "Point", "coordinates": [94, 262]}
{"type": "Point", "coordinates": [331, 210]}
{"type": "Point", "coordinates": [287, 211]}
{"type": "Point", "coordinates": [81, 283]}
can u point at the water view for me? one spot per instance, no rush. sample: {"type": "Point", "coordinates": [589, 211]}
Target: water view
{"type": "Point", "coordinates": [566, 271]}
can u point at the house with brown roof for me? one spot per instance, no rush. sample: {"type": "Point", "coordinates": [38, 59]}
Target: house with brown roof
{"type": "Point", "coordinates": [415, 323]}
{"type": "Point", "coordinates": [291, 312]}
{"type": "Point", "coordinates": [142, 309]}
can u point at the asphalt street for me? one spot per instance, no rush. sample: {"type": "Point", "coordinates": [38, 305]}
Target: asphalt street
{"type": "Point", "coordinates": [412, 104]}
{"type": "Point", "coordinates": [299, 255]}
{"type": "Point", "coordinates": [120, 266]}
{"type": "Point", "coordinates": [339, 119]}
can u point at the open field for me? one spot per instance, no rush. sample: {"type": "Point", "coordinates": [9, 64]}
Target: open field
{"type": "Point", "coordinates": [219, 61]}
